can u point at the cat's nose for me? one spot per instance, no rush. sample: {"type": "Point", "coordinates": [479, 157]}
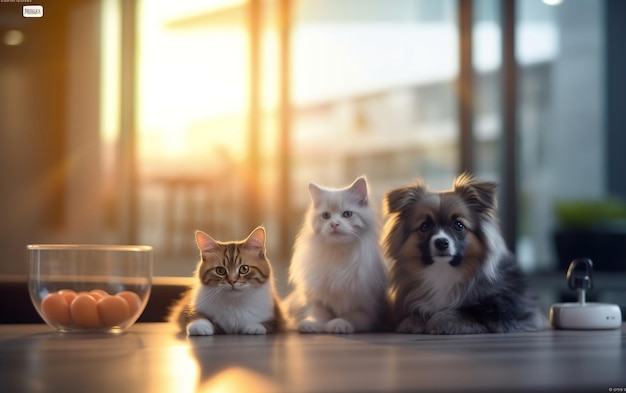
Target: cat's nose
{"type": "Point", "coordinates": [334, 225]}
{"type": "Point", "coordinates": [232, 283]}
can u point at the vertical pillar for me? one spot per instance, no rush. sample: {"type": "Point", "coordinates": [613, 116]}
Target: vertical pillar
{"type": "Point", "coordinates": [465, 90]}
{"type": "Point", "coordinates": [284, 131]}
{"type": "Point", "coordinates": [509, 125]}
{"type": "Point", "coordinates": [251, 178]}
{"type": "Point", "coordinates": [615, 83]}
{"type": "Point", "coordinates": [129, 214]}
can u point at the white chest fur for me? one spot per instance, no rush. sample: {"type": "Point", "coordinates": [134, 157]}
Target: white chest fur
{"type": "Point", "coordinates": [234, 309]}
{"type": "Point", "coordinates": [345, 279]}
{"type": "Point", "coordinates": [439, 287]}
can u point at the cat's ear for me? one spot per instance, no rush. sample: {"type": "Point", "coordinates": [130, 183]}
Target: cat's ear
{"type": "Point", "coordinates": [316, 192]}
{"type": "Point", "coordinates": [256, 239]}
{"type": "Point", "coordinates": [205, 242]}
{"type": "Point", "coordinates": [399, 199]}
{"type": "Point", "coordinates": [359, 190]}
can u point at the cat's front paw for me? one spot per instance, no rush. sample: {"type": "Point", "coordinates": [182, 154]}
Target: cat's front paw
{"type": "Point", "coordinates": [412, 325]}
{"type": "Point", "coordinates": [338, 326]}
{"type": "Point", "coordinates": [310, 325]}
{"type": "Point", "coordinates": [200, 327]}
{"type": "Point", "coordinates": [254, 328]}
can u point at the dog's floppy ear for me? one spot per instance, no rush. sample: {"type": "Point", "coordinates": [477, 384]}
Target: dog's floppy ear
{"type": "Point", "coordinates": [397, 200]}
{"type": "Point", "coordinates": [480, 194]}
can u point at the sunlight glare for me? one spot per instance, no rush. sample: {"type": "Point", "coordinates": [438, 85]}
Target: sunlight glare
{"type": "Point", "coordinates": [238, 380]}
{"type": "Point", "coordinates": [190, 77]}
{"type": "Point", "coordinates": [181, 373]}
{"type": "Point", "coordinates": [553, 2]}
{"type": "Point", "coordinates": [110, 91]}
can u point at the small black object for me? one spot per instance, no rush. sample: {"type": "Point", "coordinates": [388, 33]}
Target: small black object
{"type": "Point", "coordinates": [580, 283]}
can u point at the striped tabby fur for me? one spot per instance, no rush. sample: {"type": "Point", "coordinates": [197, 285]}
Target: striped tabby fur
{"type": "Point", "coordinates": [234, 292]}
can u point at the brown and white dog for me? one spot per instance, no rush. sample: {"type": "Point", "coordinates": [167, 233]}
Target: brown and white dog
{"type": "Point", "coordinates": [451, 272]}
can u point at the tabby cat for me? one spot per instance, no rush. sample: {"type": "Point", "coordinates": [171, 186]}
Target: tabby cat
{"type": "Point", "coordinates": [234, 292]}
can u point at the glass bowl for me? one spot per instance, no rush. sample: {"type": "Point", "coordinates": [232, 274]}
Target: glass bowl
{"type": "Point", "coordinates": [99, 288]}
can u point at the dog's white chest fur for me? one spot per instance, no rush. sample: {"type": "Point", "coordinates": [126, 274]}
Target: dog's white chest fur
{"type": "Point", "coordinates": [439, 286]}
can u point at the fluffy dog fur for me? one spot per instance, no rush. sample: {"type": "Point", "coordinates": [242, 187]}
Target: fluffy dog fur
{"type": "Point", "coordinates": [451, 272]}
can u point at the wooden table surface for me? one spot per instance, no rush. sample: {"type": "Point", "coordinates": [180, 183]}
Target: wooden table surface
{"type": "Point", "coordinates": [152, 357]}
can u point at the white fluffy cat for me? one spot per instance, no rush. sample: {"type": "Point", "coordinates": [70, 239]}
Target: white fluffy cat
{"type": "Point", "coordinates": [337, 268]}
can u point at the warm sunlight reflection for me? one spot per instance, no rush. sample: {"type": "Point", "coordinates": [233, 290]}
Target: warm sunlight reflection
{"type": "Point", "coordinates": [182, 372]}
{"type": "Point", "coordinates": [238, 380]}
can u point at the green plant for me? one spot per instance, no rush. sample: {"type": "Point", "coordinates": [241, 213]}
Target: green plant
{"type": "Point", "coordinates": [589, 213]}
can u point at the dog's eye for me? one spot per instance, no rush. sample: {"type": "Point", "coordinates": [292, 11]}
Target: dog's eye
{"type": "Point", "coordinates": [347, 214]}
{"type": "Point", "coordinates": [426, 226]}
{"type": "Point", "coordinates": [326, 215]}
{"type": "Point", "coordinates": [458, 226]}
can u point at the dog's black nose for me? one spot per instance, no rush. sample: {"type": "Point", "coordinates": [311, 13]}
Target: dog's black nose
{"type": "Point", "coordinates": [442, 244]}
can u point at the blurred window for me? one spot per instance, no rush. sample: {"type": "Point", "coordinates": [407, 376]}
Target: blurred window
{"type": "Point", "coordinates": [372, 92]}
{"type": "Point", "coordinates": [373, 89]}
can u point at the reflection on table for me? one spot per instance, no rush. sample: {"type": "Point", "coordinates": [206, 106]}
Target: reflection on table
{"type": "Point", "coordinates": [154, 357]}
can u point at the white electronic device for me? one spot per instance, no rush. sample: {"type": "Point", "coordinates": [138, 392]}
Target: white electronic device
{"type": "Point", "coordinates": [583, 315]}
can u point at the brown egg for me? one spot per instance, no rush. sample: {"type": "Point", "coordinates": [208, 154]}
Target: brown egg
{"type": "Point", "coordinates": [84, 310]}
{"type": "Point", "coordinates": [55, 309]}
{"type": "Point", "coordinates": [113, 310]}
{"type": "Point", "coordinates": [133, 300]}
{"type": "Point", "coordinates": [98, 294]}
{"type": "Point", "coordinates": [68, 295]}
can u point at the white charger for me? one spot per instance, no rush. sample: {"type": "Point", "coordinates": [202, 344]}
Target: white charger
{"type": "Point", "coordinates": [583, 315]}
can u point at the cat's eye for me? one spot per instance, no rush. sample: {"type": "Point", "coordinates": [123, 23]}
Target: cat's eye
{"type": "Point", "coordinates": [347, 214]}
{"type": "Point", "coordinates": [326, 215]}
{"type": "Point", "coordinates": [458, 226]}
{"type": "Point", "coordinates": [220, 271]}
{"type": "Point", "coordinates": [244, 269]}
{"type": "Point", "coordinates": [426, 227]}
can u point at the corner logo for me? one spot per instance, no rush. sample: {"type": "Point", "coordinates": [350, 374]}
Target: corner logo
{"type": "Point", "coordinates": [32, 11]}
